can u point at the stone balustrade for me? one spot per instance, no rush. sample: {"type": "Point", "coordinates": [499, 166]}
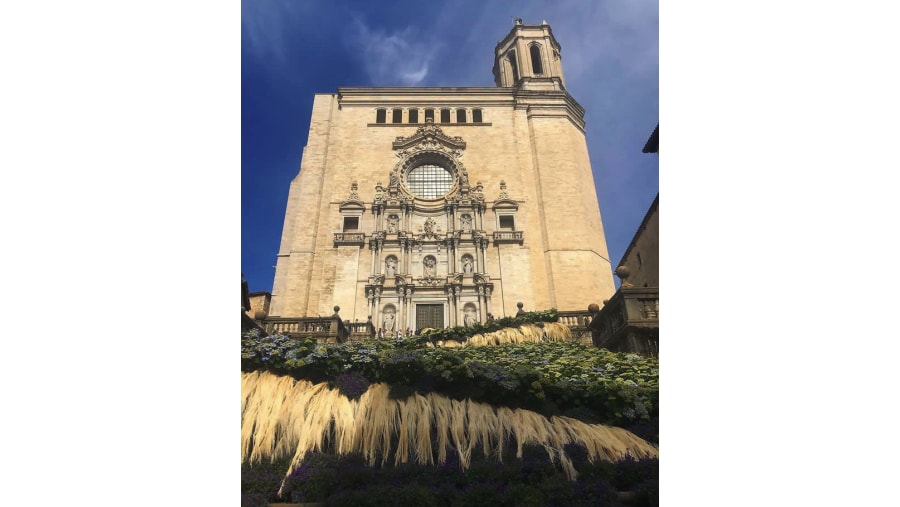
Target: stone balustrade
{"type": "Point", "coordinates": [349, 238]}
{"type": "Point", "coordinates": [629, 322]}
{"type": "Point", "coordinates": [323, 329]}
{"type": "Point", "coordinates": [509, 237]}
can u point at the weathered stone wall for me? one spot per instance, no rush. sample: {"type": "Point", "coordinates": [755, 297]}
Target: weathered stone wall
{"type": "Point", "coordinates": [642, 255]}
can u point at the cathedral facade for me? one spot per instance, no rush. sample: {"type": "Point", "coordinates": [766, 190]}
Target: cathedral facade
{"type": "Point", "coordinates": [433, 207]}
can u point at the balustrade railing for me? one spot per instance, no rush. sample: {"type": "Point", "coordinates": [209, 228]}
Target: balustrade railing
{"type": "Point", "coordinates": [577, 322]}
{"type": "Point", "coordinates": [349, 238]}
{"type": "Point", "coordinates": [508, 237]}
{"type": "Point", "coordinates": [321, 328]}
{"type": "Point", "coordinates": [629, 322]}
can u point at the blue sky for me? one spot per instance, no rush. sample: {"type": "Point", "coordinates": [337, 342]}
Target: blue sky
{"type": "Point", "coordinates": [292, 49]}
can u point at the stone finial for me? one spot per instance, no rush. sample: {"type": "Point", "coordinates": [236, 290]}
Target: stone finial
{"type": "Point", "coordinates": [623, 272]}
{"type": "Point", "coordinates": [593, 308]}
{"type": "Point", "coordinates": [518, 21]}
{"type": "Point", "coordinates": [337, 309]}
{"type": "Point", "coordinates": [519, 305]}
{"type": "Point", "coordinates": [503, 193]}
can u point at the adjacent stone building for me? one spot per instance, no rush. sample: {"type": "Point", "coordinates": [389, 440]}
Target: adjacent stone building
{"type": "Point", "coordinates": [432, 207]}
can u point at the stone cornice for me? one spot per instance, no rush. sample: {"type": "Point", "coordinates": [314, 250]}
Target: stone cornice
{"type": "Point", "coordinates": [512, 34]}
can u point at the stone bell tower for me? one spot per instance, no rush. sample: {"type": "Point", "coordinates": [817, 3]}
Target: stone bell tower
{"type": "Point", "coordinates": [529, 57]}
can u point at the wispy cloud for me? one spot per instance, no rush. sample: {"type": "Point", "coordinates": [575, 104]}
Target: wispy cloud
{"type": "Point", "coordinates": [399, 58]}
{"type": "Point", "coordinates": [267, 27]}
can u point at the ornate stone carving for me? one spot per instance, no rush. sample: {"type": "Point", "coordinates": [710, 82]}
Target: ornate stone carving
{"type": "Point", "coordinates": [390, 267]}
{"type": "Point", "coordinates": [468, 264]}
{"type": "Point", "coordinates": [432, 136]}
{"type": "Point", "coordinates": [388, 320]}
{"type": "Point", "coordinates": [429, 228]}
{"type": "Point", "coordinates": [354, 194]}
{"type": "Point", "coordinates": [429, 269]}
{"type": "Point", "coordinates": [482, 278]}
{"type": "Point", "coordinates": [469, 318]}
{"type": "Point", "coordinates": [465, 222]}
{"type": "Point", "coordinates": [393, 223]}
{"type": "Point", "coordinates": [503, 193]}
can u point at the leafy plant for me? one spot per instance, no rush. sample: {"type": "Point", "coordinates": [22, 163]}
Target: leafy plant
{"type": "Point", "coordinates": [556, 378]}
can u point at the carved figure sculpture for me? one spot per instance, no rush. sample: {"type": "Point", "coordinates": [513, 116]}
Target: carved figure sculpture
{"type": "Point", "coordinates": [392, 224]}
{"type": "Point", "coordinates": [388, 323]}
{"type": "Point", "coordinates": [467, 265]}
{"type": "Point", "coordinates": [430, 270]}
{"type": "Point", "coordinates": [429, 227]}
{"type": "Point", "coordinates": [466, 223]}
{"type": "Point", "coordinates": [469, 319]}
{"type": "Point", "coordinates": [390, 268]}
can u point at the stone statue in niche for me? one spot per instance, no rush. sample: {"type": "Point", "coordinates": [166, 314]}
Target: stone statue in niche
{"type": "Point", "coordinates": [390, 267]}
{"type": "Point", "coordinates": [393, 221]}
{"type": "Point", "coordinates": [394, 179]}
{"type": "Point", "coordinates": [429, 227]}
{"type": "Point", "coordinates": [467, 265]}
{"type": "Point", "coordinates": [466, 223]}
{"type": "Point", "coordinates": [469, 319]}
{"type": "Point", "coordinates": [430, 270]}
{"type": "Point", "coordinates": [388, 322]}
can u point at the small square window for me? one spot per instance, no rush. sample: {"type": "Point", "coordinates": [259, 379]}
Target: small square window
{"type": "Point", "coordinates": [507, 223]}
{"type": "Point", "coordinates": [351, 224]}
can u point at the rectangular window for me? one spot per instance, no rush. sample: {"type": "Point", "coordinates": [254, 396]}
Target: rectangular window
{"type": "Point", "coordinates": [476, 116]}
{"type": "Point", "coordinates": [380, 116]}
{"type": "Point", "coordinates": [445, 116]}
{"type": "Point", "coordinates": [460, 116]}
{"type": "Point", "coordinates": [398, 116]}
{"type": "Point", "coordinates": [507, 223]}
{"type": "Point", "coordinates": [351, 224]}
{"type": "Point", "coordinates": [429, 115]}
{"type": "Point", "coordinates": [414, 116]}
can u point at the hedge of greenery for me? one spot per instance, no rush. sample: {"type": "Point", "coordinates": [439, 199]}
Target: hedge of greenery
{"type": "Point", "coordinates": [531, 481]}
{"type": "Point", "coordinates": [594, 385]}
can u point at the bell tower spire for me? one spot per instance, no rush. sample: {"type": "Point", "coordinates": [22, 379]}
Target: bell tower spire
{"type": "Point", "coordinates": [529, 57]}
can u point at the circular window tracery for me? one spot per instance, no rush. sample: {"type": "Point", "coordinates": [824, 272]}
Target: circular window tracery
{"type": "Point", "coordinates": [429, 181]}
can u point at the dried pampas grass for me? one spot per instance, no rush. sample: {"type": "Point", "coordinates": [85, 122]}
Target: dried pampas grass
{"type": "Point", "coordinates": [282, 417]}
{"type": "Point", "coordinates": [528, 333]}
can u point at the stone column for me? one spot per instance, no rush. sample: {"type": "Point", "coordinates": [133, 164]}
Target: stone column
{"type": "Point", "coordinates": [401, 308]}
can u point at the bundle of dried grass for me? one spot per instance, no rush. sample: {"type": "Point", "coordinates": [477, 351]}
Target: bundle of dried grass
{"type": "Point", "coordinates": [284, 417]}
{"type": "Point", "coordinates": [528, 333]}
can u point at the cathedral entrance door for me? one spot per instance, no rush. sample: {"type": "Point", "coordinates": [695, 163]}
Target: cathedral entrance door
{"type": "Point", "coordinates": [429, 316]}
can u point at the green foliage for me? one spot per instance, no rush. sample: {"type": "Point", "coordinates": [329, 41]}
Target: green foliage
{"type": "Point", "coordinates": [463, 333]}
{"type": "Point", "coordinates": [594, 385]}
